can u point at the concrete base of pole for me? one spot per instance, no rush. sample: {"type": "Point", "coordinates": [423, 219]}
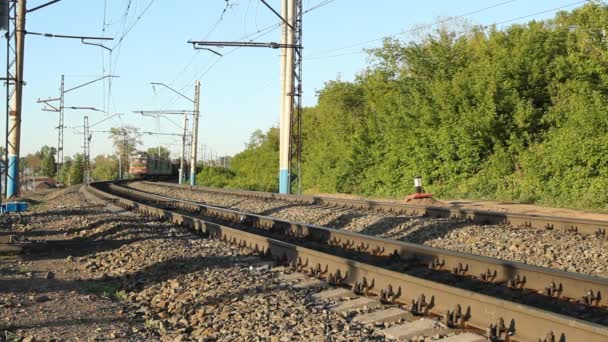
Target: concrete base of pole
{"type": "Point", "coordinates": [12, 186]}
{"type": "Point", "coordinates": [284, 181]}
{"type": "Point", "coordinates": [192, 179]}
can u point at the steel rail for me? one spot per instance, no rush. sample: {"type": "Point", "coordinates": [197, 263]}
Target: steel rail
{"type": "Point", "coordinates": [567, 286]}
{"type": "Point", "coordinates": [584, 226]}
{"type": "Point", "coordinates": [473, 310]}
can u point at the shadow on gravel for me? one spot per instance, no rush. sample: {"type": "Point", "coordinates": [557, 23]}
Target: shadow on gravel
{"type": "Point", "coordinates": [60, 249]}
{"type": "Point", "coordinates": [86, 240]}
{"type": "Point", "coordinates": [65, 212]}
{"type": "Point", "coordinates": [277, 209]}
{"type": "Point", "coordinates": [31, 201]}
{"type": "Point", "coordinates": [171, 269]}
{"type": "Point", "coordinates": [53, 216]}
{"type": "Point", "coordinates": [63, 323]}
{"type": "Point", "coordinates": [108, 285]}
{"type": "Point", "coordinates": [433, 231]}
{"type": "Point", "coordinates": [343, 220]}
{"type": "Point", "coordinates": [69, 231]}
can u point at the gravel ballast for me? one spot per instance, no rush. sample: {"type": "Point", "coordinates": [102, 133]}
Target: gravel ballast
{"type": "Point", "coordinates": [546, 248]}
{"type": "Point", "coordinates": [125, 277]}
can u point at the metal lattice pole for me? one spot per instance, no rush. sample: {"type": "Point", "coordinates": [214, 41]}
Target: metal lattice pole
{"type": "Point", "coordinates": [295, 145]}
{"type": "Point", "coordinates": [11, 82]}
{"type": "Point", "coordinates": [16, 100]}
{"type": "Point", "coordinates": [290, 121]}
{"type": "Point", "coordinates": [60, 125]}
{"type": "Point", "coordinates": [87, 151]}
{"type": "Point", "coordinates": [195, 120]}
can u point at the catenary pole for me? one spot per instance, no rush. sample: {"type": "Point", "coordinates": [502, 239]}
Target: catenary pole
{"type": "Point", "coordinates": [85, 147]}
{"type": "Point", "coordinates": [14, 132]}
{"type": "Point", "coordinates": [183, 154]}
{"type": "Point", "coordinates": [290, 130]}
{"type": "Point", "coordinates": [60, 125]}
{"type": "Point", "coordinates": [197, 97]}
{"type": "Point", "coordinates": [284, 121]}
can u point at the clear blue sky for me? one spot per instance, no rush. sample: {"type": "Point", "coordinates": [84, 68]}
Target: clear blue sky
{"type": "Point", "coordinates": [240, 92]}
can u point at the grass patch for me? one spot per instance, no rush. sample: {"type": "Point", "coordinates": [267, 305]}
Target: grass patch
{"type": "Point", "coordinates": [101, 289]}
{"type": "Point", "coordinates": [150, 324]}
{"type": "Point", "coordinates": [8, 336]}
{"type": "Point", "coordinates": [120, 295]}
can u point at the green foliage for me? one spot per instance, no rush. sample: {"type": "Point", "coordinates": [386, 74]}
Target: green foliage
{"type": "Point", "coordinates": [126, 139]}
{"type": "Point", "coordinates": [64, 171]}
{"type": "Point", "coordinates": [515, 114]}
{"type": "Point", "coordinates": [103, 289]}
{"type": "Point", "coordinates": [41, 163]}
{"type": "Point", "coordinates": [150, 324]}
{"type": "Point", "coordinates": [104, 168]}
{"type": "Point", "coordinates": [120, 295]}
{"type": "Point", "coordinates": [257, 168]}
{"type": "Point", "coordinates": [161, 151]}
{"type": "Point", "coordinates": [49, 166]}
{"type": "Point", "coordinates": [214, 176]}
{"type": "Point", "coordinates": [76, 172]}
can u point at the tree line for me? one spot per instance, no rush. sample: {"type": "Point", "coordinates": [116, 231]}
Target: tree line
{"type": "Point", "coordinates": [126, 141]}
{"type": "Point", "coordinates": [519, 113]}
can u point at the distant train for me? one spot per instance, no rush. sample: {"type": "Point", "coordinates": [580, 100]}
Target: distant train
{"type": "Point", "coordinates": [143, 165]}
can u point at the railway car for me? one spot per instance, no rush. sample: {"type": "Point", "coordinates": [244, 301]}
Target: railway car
{"type": "Point", "coordinates": [143, 165]}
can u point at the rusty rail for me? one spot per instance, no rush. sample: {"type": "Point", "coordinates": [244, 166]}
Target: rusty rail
{"type": "Point", "coordinates": [584, 226]}
{"type": "Point", "coordinates": [458, 307]}
{"type": "Point", "coordinates": [515, 275]}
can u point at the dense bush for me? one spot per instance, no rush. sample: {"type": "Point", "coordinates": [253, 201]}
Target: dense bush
{"type": "Point", "coordinates": [513, 114]}
{"type": "Point", "coordinates": [256, 168]}
{"type": "Point", "coordinates": [214, 176]}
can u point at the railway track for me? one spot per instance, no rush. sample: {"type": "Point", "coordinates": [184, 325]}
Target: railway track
{"type": "Point", "coordinates": [574, 225]}
{"type": "Point", "coordinates": [507, 300]}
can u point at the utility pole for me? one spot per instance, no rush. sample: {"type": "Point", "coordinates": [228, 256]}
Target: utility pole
{"type": "Point", "coordinates": [49, 107]}
{"type": "Point", "coordinates": [85, 147]}
{"type": "Point", "coordinates": [87, 136]}
{"type": "Point", "coordinates": [119, 167]}
{"type": "Point", "coordinates": [15, 38]}
{"type": "Point", "coordinates": [183, 156]}
{"type": "Point", "coordinates": [192, 145]}
{"type": "Point", "coordinates": [290, 137]}
{"type": "Point", "coordinates": [286, 99]}
{"type": "Point", "coordinates": [296, 142]}
{"type": "Point", "coordinates": [197, 98]}
{"type": "Point", "coordinates": [15, 96]}
{"type": "Point", "coordinates": [61, 125]}
{"type": "Point", "coordinates": [124, 149]}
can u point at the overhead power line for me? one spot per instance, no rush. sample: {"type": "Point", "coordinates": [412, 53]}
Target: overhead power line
{"type": "Point", "coordinates": [42, 6]}
{"type": "Point", "coordinates": [312, 57]}
{"type": "Point", "coordinates": [317, 6]}
{"type": "Point", "coordinates": [542, 12]}
{"type": "Point", "coordinates": [126, 33]}
{"type": "Point", "coordinates": [251, 36]}
{"type": "Point", "coordinates": [439, 22]}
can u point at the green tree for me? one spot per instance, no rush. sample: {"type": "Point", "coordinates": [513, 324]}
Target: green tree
{"type": "Point", "coordinates": [48, 164]}
{"type": "Point", "coordinates": [161, 151]}
{"type": "Point", "coordinates": [126, 140]}
{"type": "Point", "coordinates": [76, 172]}
{"type": "Point", "coordinates": [512, 114]}
{"type": "Point", "coordinates": [215, 176]}
{"type": "Point", "coordinates": [64, 171]}
{"type": "Point", "coordinates": [104, 168]}
{"type": "Point", "coordinates": [256, 168]}
{"type": "Point", "coordinates": [32, 162]}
